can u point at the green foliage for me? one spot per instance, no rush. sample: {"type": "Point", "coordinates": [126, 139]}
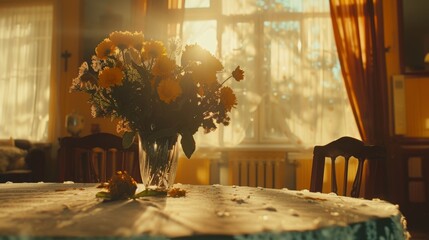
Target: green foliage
{"type": "Point", "coordinates": [188, 143]}
{"type": "Point", "coordinates": [128, 139]}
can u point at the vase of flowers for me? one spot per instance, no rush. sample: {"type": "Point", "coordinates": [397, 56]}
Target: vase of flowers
{"type": "Point", "coordinates": [158, 162]}
{"type": "Point", "coordinates": [157, 100]}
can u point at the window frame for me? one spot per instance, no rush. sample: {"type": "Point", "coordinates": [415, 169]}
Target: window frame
{"type": "Point", "coordinates": [258, 19]}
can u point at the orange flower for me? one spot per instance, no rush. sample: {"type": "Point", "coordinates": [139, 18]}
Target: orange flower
{"type": "Point", "coordinates": [204, 75]}
{"type": "Point", "coordinates": [138, 39]}
{"type": "Point", "coordinates": [228, 98]}
{"type": "Point", "coordinates": [195, 53]}
{"type": "Point", "coordinates": [168, 90]}
{"type": "Point", "coordinates": [121, 39]}
{"type": "Point", "coordinates": [163, 67]}
{"type": "Point", "coordinates": [122, 186]}
{"type": "Point", "coordinates": [177, 192]}
{"type": "Point", "coordinates": [153, 49]}
{"type": "Point", "coordinates": [123, 126]}
{"type": "Point", "coordinates": [238, 74]}
{"type": "Point", "coordinates": [110, 77]}
{"type": "Point", "coordinates": [104, 49]}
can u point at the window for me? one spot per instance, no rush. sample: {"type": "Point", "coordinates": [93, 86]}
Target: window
{"type": "Point", "coordinates": [25, 46]}
{"type": "Point", "coordinates": [293, 92]}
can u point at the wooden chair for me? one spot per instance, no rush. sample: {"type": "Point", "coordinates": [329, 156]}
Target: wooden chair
{"type": "Point", "coordinates": [346, 147]}
{"type": "Point", "coordinates": [94, 158]}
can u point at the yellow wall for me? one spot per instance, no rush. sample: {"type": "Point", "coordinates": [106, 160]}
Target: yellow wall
{"type": "Point", "coordinates": [193, 171]}
{"type": "Point", "coordinates": [391, 37]}
{"type": "Point", "coordinates": [70, 39]}
{"type": "Point", "coordinates": [417, 100]}
{"type": "Point", "coordinates": [416, 87]}
{"type": "Point", "coordinates": [67, 38]}
{"type": "Point", "coordinates": [68, 102]}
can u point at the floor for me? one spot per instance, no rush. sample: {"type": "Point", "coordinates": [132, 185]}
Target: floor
{"type": "Point", "coordinates": [419, 231]}
{"type": "Point", "coordinates": [419, 235]}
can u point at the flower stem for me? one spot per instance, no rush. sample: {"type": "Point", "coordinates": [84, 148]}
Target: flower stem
{"type": "Point", "coordinates": [226, 80]}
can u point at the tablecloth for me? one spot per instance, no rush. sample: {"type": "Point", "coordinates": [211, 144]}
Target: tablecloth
{"type": "Point", "coordinates": [69, 210]}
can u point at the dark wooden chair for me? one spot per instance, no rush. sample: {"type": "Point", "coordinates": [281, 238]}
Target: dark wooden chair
{"type": "Point", "coordinates": [346, 147]}
{"type": "Point", "coordinates": [94, 158]}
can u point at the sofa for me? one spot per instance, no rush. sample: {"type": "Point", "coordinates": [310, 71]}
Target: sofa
{"type": "Point", "coordinates": [21, 161]}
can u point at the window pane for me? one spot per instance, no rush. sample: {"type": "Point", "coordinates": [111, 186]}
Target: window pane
{"type": "Point", "coordinates": [201, 32]}
{"type": "Point", "coordinates": [282, 67]}
{"type": "Point", "coordinates": [238, 7]}
{"type": "Point", "coordinates": [197, 3]}
{"type": "Point", "coordinates": [306, 98]}
{"type": "Point", "coordinates": [238, 48]}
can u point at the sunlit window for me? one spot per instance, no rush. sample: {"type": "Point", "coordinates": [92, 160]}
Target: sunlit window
{"type": "Point", "coordinates": [202, 32]}
{"type": "Point", "coordinates": [293, 91]}
{"type": "Point", "coordinates": [197, 4]}
{"type": "Point", "coordinates": [25, 47]}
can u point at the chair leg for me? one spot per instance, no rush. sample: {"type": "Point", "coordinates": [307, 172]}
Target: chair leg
{"type": "Point", "coordinates": [316, 183]}
{"type": "Point", "coordinates": [333, 176]}
{"type": "Point", "coordinates": [358, 179]}
{"type": "Point", "coordinates": [346, 172]}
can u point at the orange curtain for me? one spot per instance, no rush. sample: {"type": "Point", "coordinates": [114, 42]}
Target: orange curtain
{"type": "Point", "coordinates": [359, 38]}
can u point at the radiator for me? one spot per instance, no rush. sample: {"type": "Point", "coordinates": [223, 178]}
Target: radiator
{"type": "Point", "coordinates": [269, 170]}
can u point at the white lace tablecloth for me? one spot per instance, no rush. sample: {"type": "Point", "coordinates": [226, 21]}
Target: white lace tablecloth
{"type": "Point", "coordinates": [56, 210]}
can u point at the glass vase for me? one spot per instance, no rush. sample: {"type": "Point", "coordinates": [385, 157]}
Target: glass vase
{"type": "Point", "coordinates": [158, 162]}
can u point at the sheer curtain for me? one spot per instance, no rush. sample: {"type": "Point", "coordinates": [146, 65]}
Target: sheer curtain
{"type": "Point", "coordinates": [25, 47]}
{"type": "Point", "coordinates": [293, 93]}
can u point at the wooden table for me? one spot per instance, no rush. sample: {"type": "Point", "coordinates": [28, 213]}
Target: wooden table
{"type": "Point", "coordinates": [68, 210]}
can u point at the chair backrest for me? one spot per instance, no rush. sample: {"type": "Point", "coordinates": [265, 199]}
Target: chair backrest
{"type": "Point", "coordinates": [94, 158]}
{"type": "Point", "coordinates": [346, 147]}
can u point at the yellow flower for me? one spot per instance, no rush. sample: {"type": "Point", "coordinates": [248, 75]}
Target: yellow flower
{"type": "Point", "coordinates": [104, 49]}
{"type": "Point", "coordinates": [163, 67]}
{"type": "Point", "coordinates": [204, 75]}
{"type": "Point", "coordinates": [228, 98]}
{"type": "Point", "coordinates": [121, 39]}
{"type": "Point", "coordinates": [238, 74]}
{"type": "Point", "coordinates": [192, 53]}
{"type": "Point", "coordinates": [195, 53]}
{"type": "Point", "coordinates": [110, 77]}
{"type": "Point", "coordinates": [168, 90]}
{"type": "Point", "coordinates": [138, 39]}
{"type": "Point", "coordinates": [153, 49]}
{"type": "Point", "coordinates": [123, 126]}
{"type": "Point", "coordinates": [213, 63]}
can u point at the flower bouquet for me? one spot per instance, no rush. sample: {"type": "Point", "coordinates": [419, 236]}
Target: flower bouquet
{"type": "Point", "coordinates": [154, 98]}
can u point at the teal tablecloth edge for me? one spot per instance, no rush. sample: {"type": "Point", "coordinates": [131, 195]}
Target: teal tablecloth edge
{"type": "Point", "coordinates": [384, 228]}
